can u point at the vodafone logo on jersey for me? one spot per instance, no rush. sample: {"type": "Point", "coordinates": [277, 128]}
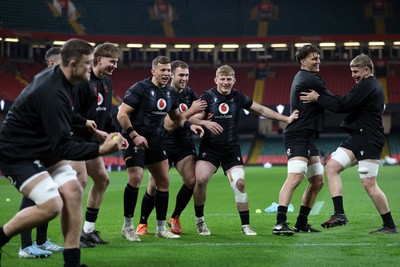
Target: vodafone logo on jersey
{"type": "Point", "coordinates": [161, 104]}
{"type": "Point", "coordinates": [183, 107]}
{"type": "Point", "coordinates": [100, 99]}
{"type": "Point", "coordinates": [223, 108]}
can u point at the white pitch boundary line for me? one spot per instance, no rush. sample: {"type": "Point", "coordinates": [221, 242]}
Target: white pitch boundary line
{"type": "Point", "coordinates": [317, 207]}
{"type": "Point", "coordinates": [247, 244]}
{"type": "Point", "coordinates": [265, 244]}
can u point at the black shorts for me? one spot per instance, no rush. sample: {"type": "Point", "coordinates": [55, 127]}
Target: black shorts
{"type": "Point", "coordinates": [362, 147]}
{"type": "Point", "coordinates": [135, 157]}
{"type": "Point", "coordinates": [176, 153]}
{"type": "Point", "coordinates": [227, 156]}
{"type": "Point", "coordinates": [300, 144]}
{"type": "Point", "coordinates": [21, 171]}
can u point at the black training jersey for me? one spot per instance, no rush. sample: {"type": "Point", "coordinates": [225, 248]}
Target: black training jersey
{"type": "Point", "coordinates": [226, 112]}
{"type": "Point", "coordinates": [365, 105]}
{"type": "Point", "coordinates": [311, 115]}
{"type": "Point", "coordinates": [38, 124]}
{"type": "Point", "coordinates": [151, 105]}
{"type": "Point", "coordinates": [93, 102]}
{"type": "Point", "coordinates": [181, 136]}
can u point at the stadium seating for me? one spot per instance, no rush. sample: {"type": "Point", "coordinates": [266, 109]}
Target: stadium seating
{"type": "Point", "coordinates": [394, 144]}
{"type": "Point", "coordinates": [194, 18]}
{"type": "Point", "coordinates": [273, 150]}
{"type": "Point", "coordinates": [393, 80]}
{"type": "Point", "coordinates": [334, 17]}
{"type": "Point", "coordinates": [31, 16]}
{"type": "Point", "coordinates": [280, 77]}
{"type": "Point", "coordinates": [122, 18]}
{"type": "Point", "coordinates": [234, 23]}
{"type": "Point", "coordinates": [392, 22]}
{"type": "Point", "coordinates": [10, 86]}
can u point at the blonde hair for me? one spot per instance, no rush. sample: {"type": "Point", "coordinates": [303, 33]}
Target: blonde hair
{"type": "Point", "coordinates": [225, 70]}
{"type": "Point", "coordinates": [362, 60]}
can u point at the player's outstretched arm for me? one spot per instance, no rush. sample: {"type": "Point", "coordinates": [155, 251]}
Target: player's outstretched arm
{"type": "Point", "coordinates": [273, 115]}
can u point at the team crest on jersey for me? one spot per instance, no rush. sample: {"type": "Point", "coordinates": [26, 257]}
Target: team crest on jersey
{"type": "Point", "coordinates": [161, 104]}
{"type": "Point", "coordinates": [183, 107]}
{"type": "Point", "coordinates": [100, 99]}
{"type": "Point", "coordinates": [215, 99]}
{"type": "Point", "coordinates": [152, 93]}
{"type": "Point", "coordinates": [223, 108]}
{"type": "Point", "coordinates": [288, 152]}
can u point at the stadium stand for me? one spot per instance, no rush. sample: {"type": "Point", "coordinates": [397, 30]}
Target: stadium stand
{"type": "Point", "coordinates": [273, 150]}
{"type": "Point", "coordinates": [328, 22]}
{"type": "Point", "coordinates": [31, 16]}
{"type": "Point", "coordinates": [196, 19]}
{"type": "Point", "coordinates": [394, 144]}
{"type": "Point", "coordinates": [280, 77]}
{"type": "Point", "coordinates": [113, 19]}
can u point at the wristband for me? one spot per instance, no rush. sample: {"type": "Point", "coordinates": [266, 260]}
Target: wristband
{"type": "Point", "coordinates": [129, 130]}
{"type": "Point", "coordinates": [187, 124]}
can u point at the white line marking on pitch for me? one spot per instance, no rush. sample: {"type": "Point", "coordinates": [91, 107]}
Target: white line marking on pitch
{"type": "Point", "coordinates": [317, 207]}
{"type": "Point", "coordinates": [239, 244]}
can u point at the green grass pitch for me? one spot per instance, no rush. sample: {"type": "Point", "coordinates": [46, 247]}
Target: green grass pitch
{"type": "Point", "coordinates": [350, 245]}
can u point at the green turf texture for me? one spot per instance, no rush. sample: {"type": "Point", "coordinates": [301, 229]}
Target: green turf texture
{"type": "Point", "coordinates": [349, 245]}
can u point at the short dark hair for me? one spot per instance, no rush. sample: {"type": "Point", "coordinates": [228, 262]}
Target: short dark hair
{"type": "Point", "coordinates": [54, 51]}
{"type": "Point", "coordinates": [160, 60]}
{"type": "Point", "coordinates": [305, 50]}
{"type": "Point", "coordinates": [178, 64]}
{"type": "Point", "coordinates": [74, 49]}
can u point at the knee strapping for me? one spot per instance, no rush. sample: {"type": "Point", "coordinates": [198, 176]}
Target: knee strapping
{"type": "Point", "coordinates": [44, 191]}
{"type": "Point", "coordinates": [234, 176]}
{"type": "Point", "coordinates": [64, 174]}
{"type": "Point", "coordinates": [367, 169]}
{"type": "Point", "coordinates": [341, 156]}
{"type": "Point", "coordinates": [297, 166]}
{"type": "Point", "coordinates": [315, 169]}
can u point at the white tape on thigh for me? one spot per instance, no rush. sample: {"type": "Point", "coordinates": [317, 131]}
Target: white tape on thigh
{"type": "Point", "coordinates": [44, 191]}
{"type": "Point", "coordinates": [315, 169]}
{"type": "Point", "coordinates": [297, 166]}
{"type": "Point", "coordinates": [64, 174]}
{"type": "Point", "coordinates": [234, 176]}
{"type": "Point", "coordinates": [33, 177]}
{"type": "Point", "coordinates": [367, 169]}
{"type": "Point", "coordinates": [341, 156]}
